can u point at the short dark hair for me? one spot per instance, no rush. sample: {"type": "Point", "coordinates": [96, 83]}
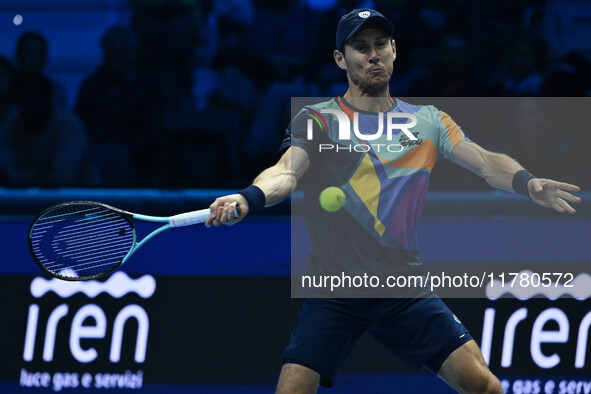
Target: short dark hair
{"type": "Point", "coordinates": [30, 36]}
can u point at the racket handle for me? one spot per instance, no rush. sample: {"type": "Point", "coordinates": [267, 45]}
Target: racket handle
{"type": "Point", "coordinates": [195, 217]}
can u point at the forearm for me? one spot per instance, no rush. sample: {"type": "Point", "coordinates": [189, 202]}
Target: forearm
{"type": "Point", "coordinates": [499, 170]}
{"type": "Point", "coordinates": [269, 188]}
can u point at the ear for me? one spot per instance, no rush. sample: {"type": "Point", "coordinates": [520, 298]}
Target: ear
{"type": "Point", "coordinates": [394, 48]}
{"type": "Point", "coordinates": [339, 58]}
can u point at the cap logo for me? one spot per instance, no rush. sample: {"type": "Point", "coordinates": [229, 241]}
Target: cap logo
{"type": "Point", "coordinates": [364, 14]}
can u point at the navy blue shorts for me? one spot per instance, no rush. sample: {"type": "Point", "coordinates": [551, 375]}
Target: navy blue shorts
{"type": "Point", "coordinates": [420, 331]}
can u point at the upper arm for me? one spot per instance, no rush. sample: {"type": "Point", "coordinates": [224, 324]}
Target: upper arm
{"type": "Point", "coordinates": [296, 161]}
{"type": "Point", "coordinates": [299, 161]}
{"type": "Point", "coordinates": [278, 181]}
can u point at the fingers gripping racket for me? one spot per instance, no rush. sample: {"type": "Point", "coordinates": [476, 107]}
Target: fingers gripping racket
{"type": "Point", "coordinates": [82, 240]}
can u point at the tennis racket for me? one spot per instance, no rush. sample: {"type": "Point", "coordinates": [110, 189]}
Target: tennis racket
{"type": "Point", "coordinates": [82, 240]}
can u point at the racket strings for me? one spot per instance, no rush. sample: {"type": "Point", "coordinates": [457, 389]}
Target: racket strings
{"type": "Point", "coordinates": [81, 240]}
{"type": "Point", "coordinates": [92, 237]}
{"type": "Point", "coordinates": [92, 258]}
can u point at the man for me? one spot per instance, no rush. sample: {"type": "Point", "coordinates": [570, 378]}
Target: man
{"type": "Point", "coordinates": [124, 113]}
{"type": "Point", "coordinates": [422, 330]}
{"type": "Point", "coordinates": [43, 145]}
{"type": "Point", "coordinates": [31, 56]}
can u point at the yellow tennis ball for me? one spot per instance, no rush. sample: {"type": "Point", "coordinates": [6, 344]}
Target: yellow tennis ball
{"type": "Point", "coordinates": [332, 199]}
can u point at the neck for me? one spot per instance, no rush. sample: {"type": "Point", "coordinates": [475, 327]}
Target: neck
{"type": "Point", "coordinates": [369, 102]}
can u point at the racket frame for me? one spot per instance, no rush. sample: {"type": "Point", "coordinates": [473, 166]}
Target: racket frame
{"type": "Point", "coordinates": [184, 219]}
{"type": "Point", "coordinates": [124, 214]}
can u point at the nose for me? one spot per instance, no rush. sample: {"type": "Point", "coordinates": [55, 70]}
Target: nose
{"type": "Point", "coordinates": [373, 55]}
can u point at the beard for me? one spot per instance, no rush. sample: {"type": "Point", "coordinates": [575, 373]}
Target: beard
{"type": "Point", "coordinates": [372, 89]}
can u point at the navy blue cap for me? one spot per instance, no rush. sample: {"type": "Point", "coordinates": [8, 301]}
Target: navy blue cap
{"type": "Point", "coordinates": [352, 22]}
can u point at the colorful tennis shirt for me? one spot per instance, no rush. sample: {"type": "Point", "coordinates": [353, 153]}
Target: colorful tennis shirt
{"type": "Point", "coordinates": [385, 177]}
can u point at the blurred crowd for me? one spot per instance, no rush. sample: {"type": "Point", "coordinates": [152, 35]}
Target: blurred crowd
{"type": "Point", "coordinates": [197, 94]}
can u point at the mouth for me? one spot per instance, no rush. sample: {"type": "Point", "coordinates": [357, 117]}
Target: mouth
{"type": "Point", "coordinates": [376, 71]}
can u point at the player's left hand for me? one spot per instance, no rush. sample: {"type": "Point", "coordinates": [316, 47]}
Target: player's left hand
{"type": "Point", "coordinates": [552, 194]}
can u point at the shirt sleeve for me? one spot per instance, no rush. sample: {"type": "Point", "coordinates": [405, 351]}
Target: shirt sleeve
{"type": "Point", "coordinates": [450, 134]}
{"type": "Point", "coordinates": [296, 133]}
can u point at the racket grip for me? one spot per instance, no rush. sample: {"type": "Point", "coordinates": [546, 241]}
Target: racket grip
{"type": "Point", "coordinates": [195, 217]}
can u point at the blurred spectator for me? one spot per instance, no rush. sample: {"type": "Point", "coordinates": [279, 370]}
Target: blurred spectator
{"type": "Point", "coordinates": [31, 55]}
{"type": "Point", "coordinates": [285, 33]}
{"type": "Point", "coordinates": [524, 67]}
{"type": "Point", "coordinates": [7, 109]}
{"type": "Point", "coordinates": [43, 145]}
{"type": "Point", "coordinates": [124, 114]}
{"type": "Point", "coordinates": [450, 74]}
{"type": "Point", "coordinates": [239, 68]}
{"type": "Point", "coordinates": [564, 25]}
{"type": "Point", "coordinates": [167, 32]}
{"type": "Point", "coordinates": [570, 77]}
{"type": "Point", "coordinates": [7, 86]}
{"type": "Point", "coordinates": [241, 12]}
{"type": "Point", "coordinates": [563, 81]}
{"type": "Point", "coordinates": [241, 73]}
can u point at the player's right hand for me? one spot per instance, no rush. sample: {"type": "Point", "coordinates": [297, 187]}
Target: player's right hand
{"type": "Point", "coordinates": [222, 212]}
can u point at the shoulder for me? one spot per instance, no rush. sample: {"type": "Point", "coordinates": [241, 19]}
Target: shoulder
{"type": "Point", "coordinates": [403, 106]}
{"type": "Point", "coordinates": [312, 111]}
{"type": "Point", "coordinates": [424, 113]}
{"type": "Point", "coordinates": [317, 107]}
{"type": "Point", "coordinates": [65, 122]}
{"type": "Point", "coordinates": [94, 80]}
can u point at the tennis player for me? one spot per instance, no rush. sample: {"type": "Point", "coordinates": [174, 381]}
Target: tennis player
{"type": "Point", "coordinates": [421, 331]}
